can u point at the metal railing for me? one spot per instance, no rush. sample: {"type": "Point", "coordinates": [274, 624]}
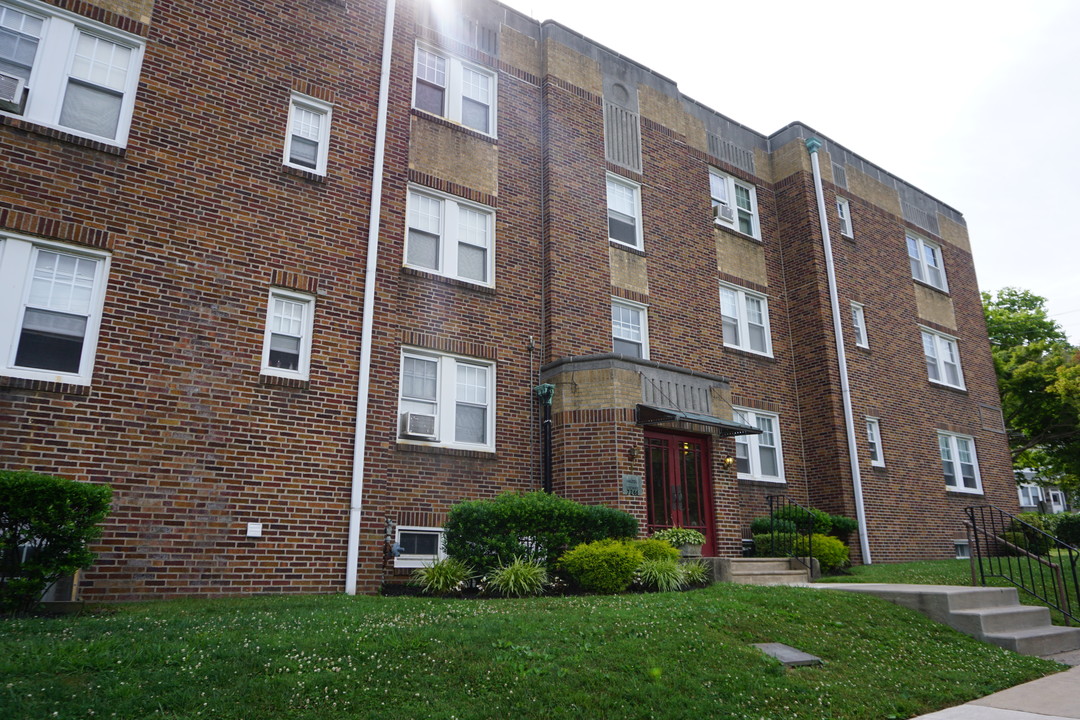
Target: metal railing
{"type": "Point", "coordinates": [785, 514]}
{"type": "Point", "coordinates": [1006, 547]}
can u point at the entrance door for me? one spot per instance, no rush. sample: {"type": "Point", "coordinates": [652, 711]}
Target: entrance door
{"type": "Point", "coordinates": [677, 485]}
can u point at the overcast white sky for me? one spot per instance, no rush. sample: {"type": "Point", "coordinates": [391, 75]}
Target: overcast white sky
{"type": "Point", "coordinates": [972, 102]}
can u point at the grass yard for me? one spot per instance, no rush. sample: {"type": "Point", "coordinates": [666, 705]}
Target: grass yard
{"type": "Point", "coordinates": [668, 655]}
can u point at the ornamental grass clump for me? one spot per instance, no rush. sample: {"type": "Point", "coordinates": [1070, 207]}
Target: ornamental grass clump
{"type": "Point", "coordinates": [443, 577]}
{"type": "Point", "coordinates": [696, 573]}
{"type": "Point", "coordinates": [520, 578]}
{"type": "Point", "coordinates": [664, 575]}
{"type": "Point", "coordinates": [603, 566]}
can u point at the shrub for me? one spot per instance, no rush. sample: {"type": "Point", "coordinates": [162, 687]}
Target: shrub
{"type": "Point", "coordinates": [654, 549]}
{"type": "Point", "coordinates": [696, 573]}
{"type": "Point", "coordinates": [518, 579]}
{"type": "Point", "coordinates": [678, 536]}
{"type": "Point", "coordinates": [767, 525]}
{"type": "Point", "coordinates": [603, 566]}
{"type": "Point", "coordinates": [58, 518]}
{"type": "Point", "coordinates": [664, 575]}
{"type": "Point", "coordinates": [1068, 528]}
{"type": "Point", "coordinates": [774, 544]}
{"type": "Point", "coordinates": [822, 520]}
{"type": "Point", "coordinates": [843, 526]}
{"type": "Point", "coordinates": [831, 554]}
{"type": "Point", "coordinates": [1034, 543]}
{"type": "Point", "coordinates": [536, 526]}
{"type": "Point", "coordinates": [443, 577]}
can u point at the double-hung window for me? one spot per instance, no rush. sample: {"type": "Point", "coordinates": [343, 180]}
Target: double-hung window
{"type": "Point", "coordinates": [67, 72]}
{"type": "Point", "coordinates": [454, 89]}
{"type": "Point", "coordinates": [416, 546]}
{"type": "Point", "coordinates": [926, 262]}
{"type": "Point", "coordinates": [307, 141]}
{"type": "Point", "coordinates": [858, 324]}
{"type": "Point", "coordinates": [958, 462]}
{"type": "Point", "coordinates": [873, 441]}
{"type": "Point", "coordinates": [734, 203]}
{"type": "Point", "coordinates": [758, 457]}
{"type": "Point", "coordinates": [942, 359]}
{"type": "Point", "coordinates": [630, 328]}
{"type": "Point", "coordinates": [745, 316]}
{"type": "Point", "coordinates": [51, 296]}
{"type": "Point", "coordinates": [624, 211]}
{"type": "Point", "coordinates": [447, 400]}
{"type": "Point", "coordinates": [287, 339]}
{"type": "Point", "coordinates": [1030, 495]}
{"type": "Point", "coordinates": [450, 237]}
{"type": "Point", "coordinates": [843, 214]}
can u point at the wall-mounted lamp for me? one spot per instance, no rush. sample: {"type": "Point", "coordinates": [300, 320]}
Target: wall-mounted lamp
{"type": "Point", "coordinates": [632, 453]}
{"type": "Point", "coordinates": [729, 461]}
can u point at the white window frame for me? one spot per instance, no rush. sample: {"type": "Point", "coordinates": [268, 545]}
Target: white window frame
{"type": "Point", "coordinates": [642, 325]}
{"type": "Point", "coordinates": [843, 214]}
{"type": "Point", "coordinates": [302, 372]}
{"type": "Point", "coordinates": [1057, 501]}
{"type": "Point", "coordinates": [614, 184]}
{"type": "Point", "coordinates": [454, 87]}
{"type": "Point", "coordinates": [722, 191]}
{"type": "Point", "coordinates": [951, 443]}
{"type": "Point", "coordinates": [298, 101]}
{"type": "Point", "coordinates": [938, 348]}
{"type": "Point", "coordinates": [406, 560]}
{"type": "Point", "coordinates": [450, 238]}
{"type": "Point", "coordinates": [962, 549]}
{"type": "Point", "coordinates": [446, 398]}
{"type": "Point", "coordinates": [18, 257]}
{"type": "Point", "coordinates": [741, 298]}
{"type": "Point", "coordinates": [53, 69]}
{"type": "Point", "coordinates": [1031, 493]}
{"type": "Point", "coordinates": [858, 323]}
{"type": "Point", "coordinates": [754, 443]}
{"type": "Point", "coordinates": [873, 441]}
{"type": "Point", "coordinates": [927, 262]}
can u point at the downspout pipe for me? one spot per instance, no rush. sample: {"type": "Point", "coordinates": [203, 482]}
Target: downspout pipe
{"type": "Point", "coordinates": [813, 145]}
{"type": "Point", "coordinates": [371, 261]}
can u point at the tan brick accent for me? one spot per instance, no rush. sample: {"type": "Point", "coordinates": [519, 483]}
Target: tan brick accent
{"type": "Point", "coordinates": [669, 112]}
{"type": "Point", "coordinates": [596, 390]}
{"type": "Point", "coordinates": [138, 10]}
{"type": "Point", "coordinates": [574, 68]}
{"type": "Point", "coordinates": [789, 159]}
{"type": "Point", "coordinates": [740, 257]}
{"type": "Point", "coordinates": [456, 156]}
{"type": "Point", "coordinates": [520, 51]}
{"type": "Point", "coordinates": [935, 306]}
{"type": "Point", "coordinates": [862, 185]}
{"type": "Point", "coordinates": [953, 233]}
{"type": "Point", "coordinates": [629, 271]}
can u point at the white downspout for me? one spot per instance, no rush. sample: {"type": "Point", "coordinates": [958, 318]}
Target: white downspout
{"type": "Point", "coordinates": [813, 145]}
{"type": "Point", "coordinates": [368, 321]}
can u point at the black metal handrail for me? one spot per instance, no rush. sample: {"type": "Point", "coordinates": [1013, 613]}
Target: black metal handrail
{"type": "Point", "coordinates": [1006, 547]}
{"type": "Point", "coordinates": [787, 544]}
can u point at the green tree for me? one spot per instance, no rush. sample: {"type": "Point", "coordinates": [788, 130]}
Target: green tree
{"type": "Point", "coordinates": [1038, 375]}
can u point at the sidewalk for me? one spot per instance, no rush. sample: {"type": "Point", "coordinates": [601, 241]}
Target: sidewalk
{"type": "Point", "coordinates": [1055, 697]}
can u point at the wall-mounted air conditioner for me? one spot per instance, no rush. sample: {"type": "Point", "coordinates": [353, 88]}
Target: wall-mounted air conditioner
{"type": "Point", "coordinates": [11, 92]}
{"type": "Point", "coordinates": [419, 425]}
{"type": "Point", "coordinates": [723, 213]}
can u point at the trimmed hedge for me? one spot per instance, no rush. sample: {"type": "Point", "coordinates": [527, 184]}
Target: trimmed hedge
{"type": "Point", "coordinates": [766, 524]}
{"type": "Point", "coordinates": [831, 553]}
{"type": "Point", "coordinates": [59, 518]}
{"type": "Point", "coordinates": [485, 534]}
{"type": "Point", "coordinates": [604, 566]}
{"type": "Point", "coordinates": [822, 520]}
{"type": "Point", "coordinates": [1068, 528]}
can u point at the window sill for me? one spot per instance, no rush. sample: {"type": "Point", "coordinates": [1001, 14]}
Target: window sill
{"type": "Point", "coordinates": [468, 285]}
{"type": "Point", "coordinates": [952, 388]}
{"type": "Point", "coordinates": [60, 135]}
{"type": "Point", "coordinates": [761, 481]}
{"type": "Point", "coordinates": [415, 447]}
{"type": "Point", "coordinates": [750, 353]}
{"type": "Point", "coordinates": [285, 382]}
{"type": "Point", "coordinates": [628, 248]}
{"type": "Point", "coordinates": [732, 231]}
{"type": "Point", "coordinates": [864, 348]}
{"type": "Point", "coordinates": [309, 175]}
{"type": "Point", "coordinates": [956, 492]}
{"type": "Point", "coordinates": [56, 388]}
{"type": "Point", "coordinates": [927, 285]}
{"type": "Point", "coordinates": [446, 122]}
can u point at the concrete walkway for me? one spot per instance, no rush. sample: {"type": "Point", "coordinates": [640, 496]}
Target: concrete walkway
{"type": "Point", "coordinates": [1055, 697]}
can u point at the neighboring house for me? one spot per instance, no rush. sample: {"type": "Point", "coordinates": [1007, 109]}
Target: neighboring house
{"type": "Point", "coordinates": [186, 219]}
{"type": "Point", "coordinates": [1040, 498]}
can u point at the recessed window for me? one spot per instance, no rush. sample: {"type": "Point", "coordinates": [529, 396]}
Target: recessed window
{"type": "Point", "coordinates": [958, 463]}
{"type": "Point", "coordinates": [624, 211]}
{"type": "Point", "coordinates": [51, 296]}
{"type": "Point", "coordinates": [629, 328]}
{"type": "Point", "coordinates": [734, 203]}
{"type": "Point", "coordinates": [418, 546]}
{"type": "Point", "coordinates": [454, 89]}
{"type": "Point", "coordinates": [308, 138]}
{"type": "Point", "coordinates": [858, 324]}
{"type": "Point", "coordinates": [942, 359]}
{"type": "Point", "coordinates": [962, 549]}
{"type": "Point", "coordinates": [287, 340]}
{"type": "Point", "coordinates": [447, 400]}
{"type": "Point", "coordinates": [873, 442]}
{"type": "Point", "coordinates": [758, 457]}
{"type": "Point", "coordinates": [926, 262]}
{"type": "Point", "coordinates": [843, 214]}
{"type": "Point", "coordinates": [65, 71]}
{"type": "Point", "coordinates": [450, 237]}
{"type": "Point", "coordinates": [745, 316]}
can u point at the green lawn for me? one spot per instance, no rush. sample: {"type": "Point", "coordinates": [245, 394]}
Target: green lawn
{"type": "Point", "coordinates": [670, 655]}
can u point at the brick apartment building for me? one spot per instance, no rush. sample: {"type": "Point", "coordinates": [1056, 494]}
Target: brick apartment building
{"type": "Point", "coordinates": [204, 304]}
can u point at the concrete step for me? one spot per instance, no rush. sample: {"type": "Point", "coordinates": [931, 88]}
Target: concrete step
{"type": "Point", "coordinates": [759, 564]}
{"type": "Point", "coordinates": [1046, 640]}
{"type": "Point", "coordinates": [1006, 618]}
{"type": "Point", "coordinates": [758, 571]}
{"type": "Point", "coordinates": [771, 577]}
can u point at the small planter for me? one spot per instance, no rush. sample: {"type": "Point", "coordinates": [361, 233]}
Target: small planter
{"type": "Point", "coordinates": [690, 551]}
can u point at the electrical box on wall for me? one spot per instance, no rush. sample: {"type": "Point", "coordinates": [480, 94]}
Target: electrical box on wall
{"type": "Point", "coordinates": [254, 529]}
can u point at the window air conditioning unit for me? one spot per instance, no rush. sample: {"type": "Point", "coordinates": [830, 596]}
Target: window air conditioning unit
{"type": "Point", "coordinates": [420, 425]}
{"type": "Point", "coordinates": [11, 92]}
{"type": "Point", "coordinates": [723, 213]}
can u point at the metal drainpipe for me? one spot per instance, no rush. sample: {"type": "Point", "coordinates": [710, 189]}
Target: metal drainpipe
{"type": "Point", "coordinates": [813, 145]}
{"type": "Point", "coordinates": [368, 321]}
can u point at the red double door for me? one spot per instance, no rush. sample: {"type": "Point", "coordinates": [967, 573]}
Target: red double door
{"type": "Point", "coordinates": [678, 489]}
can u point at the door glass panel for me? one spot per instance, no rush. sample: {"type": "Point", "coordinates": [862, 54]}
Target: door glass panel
{"type": "Point", "coordinates": [657, 487]}
{"type": "Point", "coordinates": [693, 511]}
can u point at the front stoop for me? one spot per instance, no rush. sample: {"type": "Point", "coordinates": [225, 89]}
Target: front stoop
{"type": "Point", "coordinates": [759, 571]}
{"type": "Point", "coordinates": [993, 615]}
